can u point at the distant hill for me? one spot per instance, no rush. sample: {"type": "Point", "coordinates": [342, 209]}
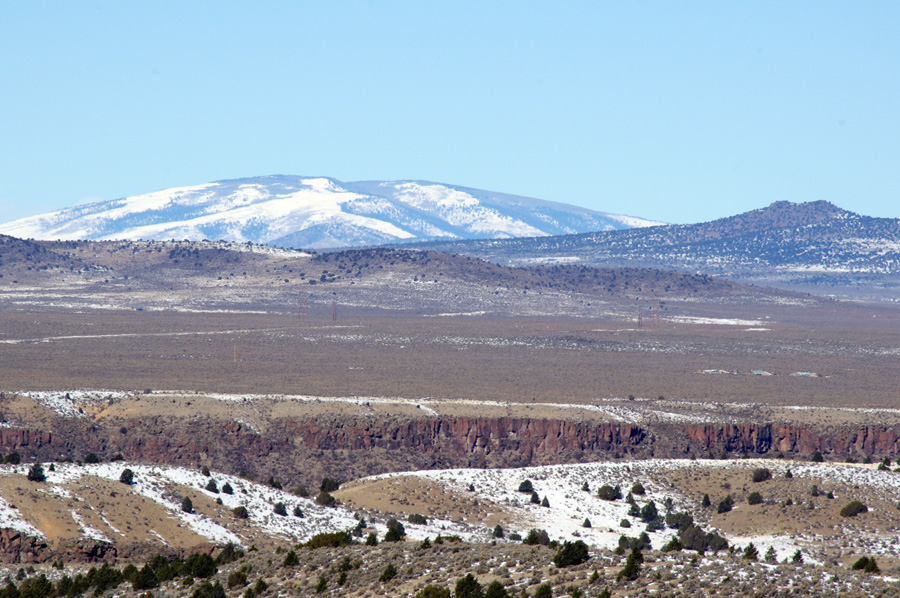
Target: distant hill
{"type": "Point", "coordinates": [305, 212]}
{"type": "Point", "coordinates": [815, 246]}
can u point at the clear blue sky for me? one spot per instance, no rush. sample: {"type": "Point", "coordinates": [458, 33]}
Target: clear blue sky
{"type": "Point", "coordinates": [678, 111]}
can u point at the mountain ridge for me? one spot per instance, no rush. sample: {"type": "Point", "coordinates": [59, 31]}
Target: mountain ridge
{"type": "Point", "coordinates": [316, 212]}
{"type": "Point", "coordinates": [810, 247]}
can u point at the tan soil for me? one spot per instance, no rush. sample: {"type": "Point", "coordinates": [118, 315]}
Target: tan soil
{"type": "Point", "coordinates": [404, 495]}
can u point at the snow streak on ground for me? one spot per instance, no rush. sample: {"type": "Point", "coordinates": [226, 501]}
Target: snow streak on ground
{"type": "Point", "coordinates": [71, 403]}
{"type": "Point", "coordinates": [11, 518]}
{"type": "Point", "coordinates": [718, 321]}
{"type": "Point", "coordinates": [166, 487]}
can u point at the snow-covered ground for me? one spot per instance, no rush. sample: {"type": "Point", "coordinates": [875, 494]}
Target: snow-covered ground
{"type": "Point", "coordinates": [495, 489]}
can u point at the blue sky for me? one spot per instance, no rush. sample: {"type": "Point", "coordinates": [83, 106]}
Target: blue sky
{"type": "Point", "coordinates": [680, 112]}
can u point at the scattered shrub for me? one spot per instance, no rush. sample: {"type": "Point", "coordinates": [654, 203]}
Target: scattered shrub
{"type": "Point", "coordinates": [624, 523]}
{"type": "Point", "coordinates": [199, 565]}
{"type": "Point", "coordinates": [389, 573]}
{"type": "Point", "coordinates": [545, 590]}
{"type": "Point", "coordinates": [468, 587]}
{"type": "Point", "coordinates": [673, 545]}
{"type": "Point", "coordinates": [632, 568]}
{"type": "Point", "coordinates": [204, 470]}
{"type": "Point", "coordinates": [751, 553]}
{"type": "Point", "coordinates": [432, 591]}
{"type": "Point", "coordinates": [237, 579]}
{"type": "Point", "coordinates": [229, 554]}
{"type": "Point", "coordinates": [329, 540]}
{"type": "Point", "coordinates": [679, 520]}
{"type": "Point", "coordinates": [395, 531]}
{"type": "Point", "coordinates": [694, 538]}
{"type": "Point", "coordinates": [606, 492]}
{"type": "Point", "coordinates": [301, 491]}
{"type": "Point", "coordinates": [641, 542]}
{"type": "Point", "coordinates": [649, 512]}
{"type": "Point", "coordinates": [417, 519]}
{"type": "Point", "coordinates": [144, 579]}
{"type": "Point", "coordinates": [570, 554]}
{"type": "Point", "coordinates": [290, 559]}
{"type": "Point", "coordinates": [325, 499]}
{"type": "Point", "coordinates": [12, 459]}
{"type": "Point", "coordinates": [36, 473]}
{"type": "Point", "coordinates": [725, 505]}
{"type": "Point", "coordinates": [638, 489]}
{"type": "Point", "coordinates": [761, 474]}
{"type": "Point", "coordinates": [537, 536]}
{"type": "Point", "coordinates": [209, 590]}
{"type": "Point", "coordinates": [494, 590]}
{"type": "Point", "coordinates": [866, 564]}
{"type": "Point", "coordinates": [754, 498]}
{"type": "Point", "coordinates": [329, 485]}
{"type": "Point", "coordinates": [853, 508]}
{"type": "Point", "coordinates": [240, 512]}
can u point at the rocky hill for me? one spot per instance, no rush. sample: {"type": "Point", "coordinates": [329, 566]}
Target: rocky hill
{"type": "Point", "coordinates": [169, 274]}
{"type": "Point", "coordinates": [812, 246]}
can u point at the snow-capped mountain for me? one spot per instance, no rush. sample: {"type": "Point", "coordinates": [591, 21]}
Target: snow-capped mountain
{"type": "Point", "coordinates": [294, 211]}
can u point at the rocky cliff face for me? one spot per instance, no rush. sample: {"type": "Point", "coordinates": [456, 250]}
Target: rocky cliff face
{"type": "Point", "coordinates": [787, 438]}
{"type": "Point", "coordinates": [305, 450]}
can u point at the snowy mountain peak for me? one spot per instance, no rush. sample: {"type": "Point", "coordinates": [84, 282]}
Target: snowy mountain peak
{"type": "Point", "coordinates": [317, 212]}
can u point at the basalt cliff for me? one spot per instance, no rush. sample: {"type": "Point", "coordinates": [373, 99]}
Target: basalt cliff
{"type": "Point", "coordinates": [303, 450]}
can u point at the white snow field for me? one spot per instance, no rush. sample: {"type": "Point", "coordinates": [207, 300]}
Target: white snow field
{"type": "Point", "coordinates": [316, 212]}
